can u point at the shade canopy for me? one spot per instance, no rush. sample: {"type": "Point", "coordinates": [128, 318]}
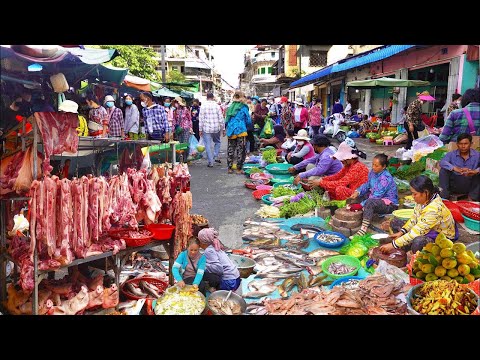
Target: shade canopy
{"type": "Point", "coordinates": [165, 92]}
{"type": "Point", "coordinates": [386, 82]}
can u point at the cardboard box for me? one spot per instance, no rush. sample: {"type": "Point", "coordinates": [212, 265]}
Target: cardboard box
{"type": "Point", "coordinates": [475, 144]}
{"type": "Point", "coordinates": [433, 166]}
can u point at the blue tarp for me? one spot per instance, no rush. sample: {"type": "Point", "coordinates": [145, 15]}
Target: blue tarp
{"type": "Point", "coordinates": [312, 77]}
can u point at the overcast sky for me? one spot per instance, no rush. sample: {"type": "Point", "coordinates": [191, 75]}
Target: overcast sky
{"type": "Point", "coordinates": [229, 61]}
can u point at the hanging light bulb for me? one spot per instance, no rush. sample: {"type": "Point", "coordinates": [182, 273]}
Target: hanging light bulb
{"type": "Point", "coordinates": [431, 70]}
{"type": "Point", "coordinates": [356, 90]}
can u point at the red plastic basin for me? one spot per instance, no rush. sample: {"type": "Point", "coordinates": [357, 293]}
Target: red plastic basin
{"type": "Point", "coordinates": [455, 210]}
{"type": "Point", "coordinates": [161, 231]}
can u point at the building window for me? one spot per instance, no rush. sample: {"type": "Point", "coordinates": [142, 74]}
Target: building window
{"type": "Point", "coordinates": [174, 68]}
{"type": "Point", "coordinates": [182, 69]}
{"type": "Point", "coordinates": [197, 53]}
{"type": "Point", "coordinates": [318, 58]}
{"type": "Point", "coordinates": [269, 70]}
{"type": "Point", "coordinates": [273, 54]}
{"type": "Point", "coordinates": [262, 70]}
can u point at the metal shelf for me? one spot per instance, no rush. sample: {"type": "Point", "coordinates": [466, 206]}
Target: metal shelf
{"type": "Point", "coordinates": [98, 145]}
{"type": "Point", "coordinates": [16, 198]}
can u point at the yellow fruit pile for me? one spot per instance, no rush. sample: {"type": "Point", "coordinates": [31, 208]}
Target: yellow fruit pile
{"type": "Point", "coordinates": [446, 261]}
{"type": "Point", "coordinates": [444, 298]}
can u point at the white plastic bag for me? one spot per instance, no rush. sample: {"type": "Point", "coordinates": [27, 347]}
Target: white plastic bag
{"type": "Point", "coordinates": [192, 145]}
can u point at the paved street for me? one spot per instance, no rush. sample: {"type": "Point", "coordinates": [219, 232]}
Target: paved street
{"type": "Point", "coordinates": [224, 200]}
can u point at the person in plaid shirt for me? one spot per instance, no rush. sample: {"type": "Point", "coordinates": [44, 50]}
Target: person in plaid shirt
{"type": "Point", "coordinates": [155, 119]}
{"type": "Point", "coordinates": [211, 123]}
{"type": "Point", "coordinates": [115, 116]}
{"type": "Point", "coordinates": [457, 121]}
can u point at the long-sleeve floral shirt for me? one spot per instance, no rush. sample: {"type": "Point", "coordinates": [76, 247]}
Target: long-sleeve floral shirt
{"type": "Point", "coordinates": [315, 114]}
{"type": "Point", "coordinates": [286, 117]}
{"type": "Point", "coordinates": [183, 118]}
{"type": "Point", "coordinates": [433, 216]}
{"type": "Point", "coordinates": [414, 112]}
{"type": "Point", "coordinates": [379, 186]}
{"type": "Point", "coordinates": [349, 176]}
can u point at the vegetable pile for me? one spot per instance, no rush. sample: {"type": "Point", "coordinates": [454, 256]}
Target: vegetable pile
{"type": "Point", "coordinates": [270, 156]}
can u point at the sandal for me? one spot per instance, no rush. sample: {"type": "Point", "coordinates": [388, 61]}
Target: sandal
{"type": "Point", "coordinates": [230, 171]}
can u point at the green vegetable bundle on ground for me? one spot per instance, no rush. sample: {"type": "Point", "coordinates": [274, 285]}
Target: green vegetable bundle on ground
{"type": "Point", "coordinates": [300, 207]}
{"type": "Point", "coordinates": [282, 191]}
{"type": "Point", "coordinates": [270, 156]}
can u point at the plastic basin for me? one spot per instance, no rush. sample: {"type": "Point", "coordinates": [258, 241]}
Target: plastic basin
{"type": "Point", "coordinates": [345, 259]}
{"type": "Point", "coordinates": [278, 169]}
{"type": "Point", "coordinates": [265, 199]}
{"type": "Point", "coordinates": [161, 231]}
{"type": "Point", "coordinates": [345, 279]}
{"type": "Point", "coordinates": [330, 245]}
{"type": "Point", "coordinates": [472, 224]}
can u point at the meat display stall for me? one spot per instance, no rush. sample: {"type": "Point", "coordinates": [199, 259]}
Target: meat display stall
{"type": "Point", "coordinates": [93, 249]}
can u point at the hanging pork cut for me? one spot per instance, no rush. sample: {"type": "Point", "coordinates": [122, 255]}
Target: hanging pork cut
{"type": "Point", "coordinates": [59, 134]}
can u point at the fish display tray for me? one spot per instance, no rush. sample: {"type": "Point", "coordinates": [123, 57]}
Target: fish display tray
{"type": "Point", "coordinates": [162, 285]}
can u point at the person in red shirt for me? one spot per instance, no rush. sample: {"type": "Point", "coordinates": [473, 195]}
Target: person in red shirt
{"type": "Point", "coordinates": [354, 173]}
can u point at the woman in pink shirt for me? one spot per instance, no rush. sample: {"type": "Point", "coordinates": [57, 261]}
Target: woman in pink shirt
{"type": "Point", "coordinates": [315, 115]}
{"type": "Point", "coordinates": [300, 115]}
{"type": "Point", "coordinates": [303, 151]}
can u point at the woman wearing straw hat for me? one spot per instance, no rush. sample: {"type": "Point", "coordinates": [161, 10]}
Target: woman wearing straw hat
{"type": "Point", "coordinates": [353, 174]}
{"type": "Point", "coordinates": [303, 151]}
{"type": "Point", "coordinates": [414, 121]}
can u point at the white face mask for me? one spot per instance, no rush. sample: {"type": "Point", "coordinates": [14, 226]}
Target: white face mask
{"type": "Point", "coordinates": [143, 104]}
{"type": "Point", "coordinates": [300, 142]}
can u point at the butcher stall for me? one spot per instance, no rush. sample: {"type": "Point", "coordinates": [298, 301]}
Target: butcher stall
{"type": "Point", "coordinates": [58, 226]}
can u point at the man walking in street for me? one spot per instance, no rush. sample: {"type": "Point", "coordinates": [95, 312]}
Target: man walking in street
{"type": "Point", "coordinates": [211, 123]}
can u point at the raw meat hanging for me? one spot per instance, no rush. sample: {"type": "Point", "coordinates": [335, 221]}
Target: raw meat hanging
{"type": "Point", "coordinates": [59, 134]}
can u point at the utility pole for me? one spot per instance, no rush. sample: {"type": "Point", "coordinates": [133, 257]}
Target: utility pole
{"type": "Point", "coordinates": [162, 50]}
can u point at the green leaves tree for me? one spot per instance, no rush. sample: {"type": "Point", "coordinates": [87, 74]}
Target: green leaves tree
{"type": "Point", "coordinates": [139, 60]}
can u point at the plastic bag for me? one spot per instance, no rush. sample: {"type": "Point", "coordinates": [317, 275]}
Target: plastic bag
{"type": "Point", "coordinates": [201, 145]}
{"type": "Point", "coordinates": [192, 144]}
{"type": "Point", "coordinates": [391, 272]}
{"type": "Point", "coordinates": [431, 141]}
{"type": "Point", "coordinates": [267, 131]}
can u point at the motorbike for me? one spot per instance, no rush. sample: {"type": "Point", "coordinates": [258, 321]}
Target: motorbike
{"type": "Point", "coordinates": [332, 128]}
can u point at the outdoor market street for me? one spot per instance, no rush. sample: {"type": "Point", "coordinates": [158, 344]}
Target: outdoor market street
{"type": "Point", "coordinates": [224, 200]}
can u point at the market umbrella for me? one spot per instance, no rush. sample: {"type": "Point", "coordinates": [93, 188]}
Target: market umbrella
{"type": "Point", "coordinates": [165, 92]}
{"type": "Point", "coordinates": [386, 82]}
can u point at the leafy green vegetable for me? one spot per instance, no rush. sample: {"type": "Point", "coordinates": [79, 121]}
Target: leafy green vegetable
{"type": "Point", "coordinates": [282, 191]}
{"type": "Point", "coordinates": [270, 156]}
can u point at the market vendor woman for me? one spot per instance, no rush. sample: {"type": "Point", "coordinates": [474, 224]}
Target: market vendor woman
{"type": "Point", "coordinates": [430, 217]}
{"type": "Point", "coordinates": [221, 273]}
{"type": "Point", "coordinates": [378, 195]}
{"type": "Point", "coordinates": [189, 266]}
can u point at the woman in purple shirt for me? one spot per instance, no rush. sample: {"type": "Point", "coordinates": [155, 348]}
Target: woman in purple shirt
{"type": "Point", "coordinates": [378, 195]}
{"type": "Point", "coordinates": [220, 272]}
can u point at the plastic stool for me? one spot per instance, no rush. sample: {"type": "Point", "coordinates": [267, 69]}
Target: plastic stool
{"type": "Point", "coordinates": [388, 142]}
